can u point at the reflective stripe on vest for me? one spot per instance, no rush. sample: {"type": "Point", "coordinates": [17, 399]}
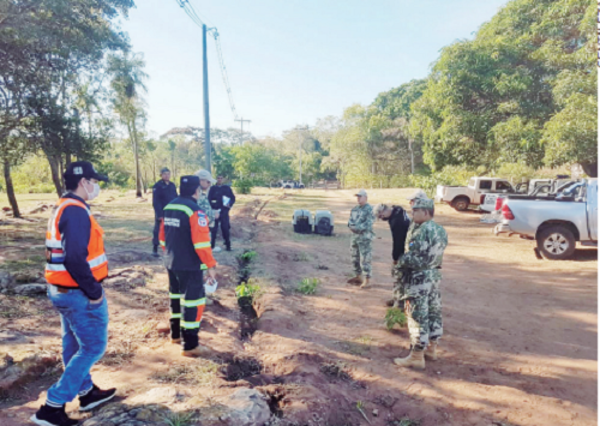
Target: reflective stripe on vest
{"type": "Point", "coordinates": [56, 273]}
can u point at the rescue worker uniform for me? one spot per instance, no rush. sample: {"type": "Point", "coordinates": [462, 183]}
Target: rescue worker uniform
{"type": "Point", "coordinates": [185, 238]}
{"type": "Point", "coordinates": [163, 193]}
{"type": "Point", "coordinates": [76, 265]}
{"type": "Point", "coordinates": [217, 195]}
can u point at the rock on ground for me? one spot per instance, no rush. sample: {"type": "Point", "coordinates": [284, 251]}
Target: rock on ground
{"type": "Point", "coordinates": [249, 408]}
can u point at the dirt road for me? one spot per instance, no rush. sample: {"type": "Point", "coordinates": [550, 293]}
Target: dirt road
{"type": "Point", "coordinates": [520, 343]}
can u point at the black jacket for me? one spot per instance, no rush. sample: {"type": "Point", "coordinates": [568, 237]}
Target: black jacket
{"type": "Point", "coordinates": [162, 194]}
{"type": "Point", "coordinates": [399, 223]}
{"type": "Point", "coordinates": [215, 196]}
{"type": "Point", "coordinates": [185, 236]}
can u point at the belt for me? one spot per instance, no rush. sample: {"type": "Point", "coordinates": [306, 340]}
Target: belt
{"type": "Point", "coordinates": [64, 289]}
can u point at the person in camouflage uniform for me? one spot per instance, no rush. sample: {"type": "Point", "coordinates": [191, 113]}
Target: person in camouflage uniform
{"type": "Point", "coordinates": [206, 180]}
{"type": "Point", "coordinates": [361, 225]}
{"type": "Point", "coordinates": [420, 272]}
{"type": "Point", "coordinates": [398, 291]}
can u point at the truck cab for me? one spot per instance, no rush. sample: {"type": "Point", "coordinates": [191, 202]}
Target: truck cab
{"type": "Point", "coordinates": [461, 197]}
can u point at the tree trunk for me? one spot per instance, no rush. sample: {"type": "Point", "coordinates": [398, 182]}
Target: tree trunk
{"type": "Point", "coordinates": [10, 190]}
{"type": "Point", "coordinates": [138, 177]}
{"type": "Point", "coordinates": [55, 169]}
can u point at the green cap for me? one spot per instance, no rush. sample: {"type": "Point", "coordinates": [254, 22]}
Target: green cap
{"type": "Point", "coordinates": [423, 203]}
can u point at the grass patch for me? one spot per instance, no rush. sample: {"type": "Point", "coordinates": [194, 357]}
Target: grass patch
{"type": "Point", "coordinates": [301, 257]}
{"type": "Point", "coordinates": [200, 373]}
{"type": "Point", "coordinates": [308, 286]}
{"type": "Point", "coordinates": [394, 316]}
{"type": "Point", "coordinates": [405, 422]}
{"type": "Point", "coordinates": [179, 419]}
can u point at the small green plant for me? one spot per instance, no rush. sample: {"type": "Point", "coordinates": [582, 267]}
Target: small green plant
{"type": "Point", "coordinates": [394, 316]}
{"type": "Point", "coordinates": [301, 257]}
{"type": "Point", "coordinates": [179, 419]}
{"type": "Point", "coordinates": [248, 290]}
{"type": "Point", "coordinates": [308, 286]}
{"type": "Point", "coordinates": [248, 256]}
{"type": "Point", "coordinates": [359, 406]}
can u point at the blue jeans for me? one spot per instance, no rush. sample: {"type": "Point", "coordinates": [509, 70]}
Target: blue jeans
{"type": "Point", "coordinates": [84, 337]}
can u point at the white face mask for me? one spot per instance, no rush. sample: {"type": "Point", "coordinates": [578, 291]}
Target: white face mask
{"type": "Point", "coordinates": [95, 192]}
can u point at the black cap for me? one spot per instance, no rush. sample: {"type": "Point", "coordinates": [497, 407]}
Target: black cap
{"type": "Point", "coordinates": [83, 169]}
{"type": "Point", "coordinates": [164, 170]}
{"type": "Point", "coordinates": [188, 185]}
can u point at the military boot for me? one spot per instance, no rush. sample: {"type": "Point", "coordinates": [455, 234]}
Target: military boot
{"type": "Point", "coordinates": [356, 280]}
{"type": "Point", "coordinates": [415, 359]}
{"type": "Point", "coordinates": [366, 283]}
{"type": "Point", "coordinates": [431, 351]}
{"type": "Point", "coordinates": [198, 351]}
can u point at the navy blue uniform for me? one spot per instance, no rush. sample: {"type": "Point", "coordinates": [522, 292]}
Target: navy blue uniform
{"type": "Point", "coordinates": [162, 194]}
{"type": "Point", "coordinates": [215, 196]}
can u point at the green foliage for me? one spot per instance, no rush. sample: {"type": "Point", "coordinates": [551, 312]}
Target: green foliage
{"type": "Point", "coordinates": [243, 186]}
{"type": "Point", "coordinates": [394, 316]}
{"type": "Point", "coordinates": [517, 172]}
{"type": "Point", "coordinates": [308, 286]}
{"type": "Point", "coordinates": [253, 291]}
{"type": "Point", "coordinates": [248, 256]}
{"type": "Point", "coordinates": [33, 176]}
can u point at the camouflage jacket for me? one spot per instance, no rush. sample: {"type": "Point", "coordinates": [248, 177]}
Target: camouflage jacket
{"type": "Point", "coordinates": [204, 205]}
{"type": "Point", "coordinates": [423, 258]}
{"type": "Point", "coordinates": [361, 222]}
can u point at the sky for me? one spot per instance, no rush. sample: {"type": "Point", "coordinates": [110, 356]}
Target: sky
{"type": "Point", "coordinates": [290, 62]}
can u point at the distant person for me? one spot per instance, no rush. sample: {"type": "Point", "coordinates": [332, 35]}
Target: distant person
{"type": "Point", "coordinates": [399, 223]}
{"type": "Point", "coordinates": [361, 225]}
{"type": "Point", "coordinates": [163, 192]}
{"type": "Point", "coordinates": [76, 265]}
{"type": "Point", "coordinates": [206, 180]}
{"type": "Point", "coordinates": [221, 199]}
{"type": "Point", "coordinates": [185, 237]}
{"type": "Point", "coordinates": [420, 271]}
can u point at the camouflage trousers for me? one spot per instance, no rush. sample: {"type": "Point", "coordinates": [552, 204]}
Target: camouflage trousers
{"type": "Point", "coordinates": [361, 251]}
{"type": "Point", "coordinates": [423, 306]}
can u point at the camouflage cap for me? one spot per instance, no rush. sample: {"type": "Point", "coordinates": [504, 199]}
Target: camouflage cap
{"type": "Point", "coordinates": [423, 203]}
{"type": "Point", "coordinates": [418, 194]}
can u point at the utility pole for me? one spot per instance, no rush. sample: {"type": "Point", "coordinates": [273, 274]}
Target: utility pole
{"type": "Point", "coordinates": [206, 112]}
{"type": "Point", "coordinates": [242, 124]}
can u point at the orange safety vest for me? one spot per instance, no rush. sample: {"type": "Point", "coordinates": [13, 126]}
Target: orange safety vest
{"type": "Point", "coordinates": [56, 273]}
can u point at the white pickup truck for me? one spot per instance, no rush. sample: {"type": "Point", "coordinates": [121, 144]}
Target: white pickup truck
{"type": "Point", "coordinates": [556, 222]}
{"type": "Point", "coordinates": [460, 197]}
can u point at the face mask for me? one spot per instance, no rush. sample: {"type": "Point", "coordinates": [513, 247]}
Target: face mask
{"type": "Point", "coordinates": [95, 192]}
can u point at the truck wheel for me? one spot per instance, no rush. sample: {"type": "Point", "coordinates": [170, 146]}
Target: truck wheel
{"type": "Point", "coordinates": [461, 204]}
{"type": "Point", "coordinates": [556, 242]}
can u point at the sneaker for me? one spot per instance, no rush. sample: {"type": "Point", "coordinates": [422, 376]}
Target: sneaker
{"type": "Point", "coordinates": [50, 416]}
{"type": "Point", "coordinates": [95, 397]}
{"type": "Point", "coordinates": [198, 351]}
{"type": "Point", "coordinates": [216, 250]}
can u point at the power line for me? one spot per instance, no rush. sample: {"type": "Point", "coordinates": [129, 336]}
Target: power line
{"type": "Point", "coordinates": [193, 15]}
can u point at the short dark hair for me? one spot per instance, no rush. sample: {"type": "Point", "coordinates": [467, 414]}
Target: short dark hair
{"type": "Point", "coordinates": [72, 182]}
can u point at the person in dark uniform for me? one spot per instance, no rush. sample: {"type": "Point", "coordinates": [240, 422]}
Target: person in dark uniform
{"type": "Point", "coordinates": [163, 192]}
{"type": "Point", "coordinates": [399, 224]}
{"type": "Point", "coordinates": [185, 238]}
{"type": "Point", "coordinates": [221, 199]}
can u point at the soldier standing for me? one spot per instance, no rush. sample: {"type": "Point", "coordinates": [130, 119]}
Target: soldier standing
{"type": "Point", "coordinates": [420, 271]}
{"type": "Point", "coordinates": [206, 180]}
{"type": "Point", "coordinates": [361, 225]}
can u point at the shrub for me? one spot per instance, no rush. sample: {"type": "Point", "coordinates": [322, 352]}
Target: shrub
{"type": "Point", "coordinates": [243, 186]}
{"type": "Point", "coordinates": [308, 286]}
{"type": "Point", "coordinates": [394, 316]}
{"type": "Point", "coordinates": [252, 291]}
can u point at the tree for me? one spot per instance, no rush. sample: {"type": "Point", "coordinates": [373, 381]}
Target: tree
{"type": "Point", "coordinates": [127, 83]}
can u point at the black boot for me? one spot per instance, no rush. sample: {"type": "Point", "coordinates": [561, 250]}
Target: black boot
{"type": "Point", "coordinates": [52, 416]}
{"type": "Point", "coordinates": [95, 397]}
{"type": "Point", "coordinates": [155, 251]}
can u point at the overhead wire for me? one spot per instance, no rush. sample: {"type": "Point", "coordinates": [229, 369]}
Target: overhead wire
{"type": "Point", "coordinates": [191, 13]}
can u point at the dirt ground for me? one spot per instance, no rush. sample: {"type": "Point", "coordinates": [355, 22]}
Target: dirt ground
{"type": "Point", "coordinates": [520, 342]}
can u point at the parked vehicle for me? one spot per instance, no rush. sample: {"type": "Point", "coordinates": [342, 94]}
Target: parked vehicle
{"type": "Point", "coordinates": [460, 197]}
{"type": "Point", "coordinates": [291, 184]}
{"type": "Point", "coordinates": [557, 221]}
